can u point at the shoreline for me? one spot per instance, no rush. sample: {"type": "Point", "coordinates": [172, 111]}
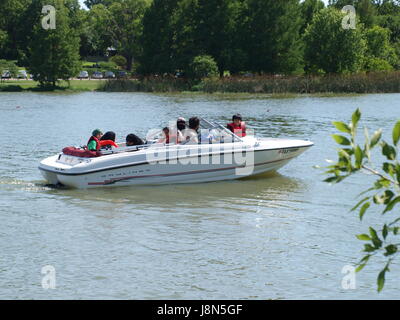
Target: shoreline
{"type": "Point", "coordinates": [372, 83]}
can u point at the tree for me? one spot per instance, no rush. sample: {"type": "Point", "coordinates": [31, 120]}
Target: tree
{"type": "Point", "coordinates": [331, 48]}
{"type": "Point", "coordinates": [53, 54]}
{"type": "Point", "coordinates": [270, 36]}
{"type": "Point", "coordinates": [97, 34]}
{"type": "Point", "coordinates": [11, 22]}
{"type": "Point", "coordinates": [158, 38]}
{"type": "Point", "coordinates": [213, 28]}
{"type": "Point", "coordinates": [380, 55]}
{"type": "Point", "coordinates": [308, 9]}
{"type": "Point", "coordinates": [124, 26]}
{"type": "Point", "coordinates": [383, 195]}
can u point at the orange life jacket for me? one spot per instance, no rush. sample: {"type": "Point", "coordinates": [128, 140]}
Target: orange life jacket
{"type": "Point", "coordinates": [107, 142]}
{"type": "Point", "coordinates": [240, 130]}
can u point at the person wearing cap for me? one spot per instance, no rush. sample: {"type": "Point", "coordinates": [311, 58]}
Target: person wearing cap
{"type": "Point", "coordinates": [181, 124]}
{"type": "Point", "coordinates": [94, 141]}
{"type": "Point", "coordinates": [237, 126]}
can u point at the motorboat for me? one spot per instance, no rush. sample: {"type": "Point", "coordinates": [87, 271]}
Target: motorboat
{"type": "Point", "coordinates": [219, 155]}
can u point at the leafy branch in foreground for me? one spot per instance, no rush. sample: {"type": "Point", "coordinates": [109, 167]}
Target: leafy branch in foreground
{"type": "Point", "coordinates": [384, 194]}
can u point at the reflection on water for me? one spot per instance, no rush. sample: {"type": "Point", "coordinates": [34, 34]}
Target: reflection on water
{"type": "Point", "coordinates": [264, 187]}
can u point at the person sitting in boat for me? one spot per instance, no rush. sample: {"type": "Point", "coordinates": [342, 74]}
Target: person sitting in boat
{"type": "Point", "coordinates": [237, 126]}
{"type": "Point", "coordinates": [166, 136]}
{"type": "Point", "coordinates": [190, 135]}
{"type": "Point", "coordinates": [107, 141]}
{"type": "Point", "coordinates": [133, 140]}
{"type": "Point", "coordinates": [94, 141]}
{"type": "Point", "coordinates": [181, 124]}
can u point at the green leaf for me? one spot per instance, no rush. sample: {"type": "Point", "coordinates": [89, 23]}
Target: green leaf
{"type": "Point", "coordinates": [390, 250]}
{"type": "Point", "coordinates": [396, 133]}
{"type": "Point", "coordinates": [341, 126]}
{"type": "Point", "coordinates": [341, 140]}
{"type": "Point", "coordinates": [389, 168]}
{"type": "Point", "coordinates": [391, 204]}
{"type": "Point", "coordinates": [359, 156]}
{"type": "Point", "coordinates": [359, 203]}
{"type": "Point", "coordinates": [381, 280]}
{"type": "Point", "coordinates": [369, 248]}
{"type": "Point", "coordinates": [388, 151]}
{"type": "Point", "coordinates": [385, 231]}
{"type": "Point", "coordinates": [364, 237]}
{"type": "Point", "coordinates": [364, 209]}
{"type": "Point", "coordinates": [363, 262]}
{"type": "Point", "coordinates": [375, 138]}
{"type": "Point", "coordinates": [366, 148]}
{"type": "Point", "coordinates": [355, 118]}
{"type": "Point", "coordinates": [384, 198]}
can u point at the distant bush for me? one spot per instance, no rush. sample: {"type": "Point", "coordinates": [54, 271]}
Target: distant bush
{"type": "Point", "coordinates": [377, 64]}
{"type": "Point", "coordinates": [203, 67]}
{"type": "Point", "coordinates": [120, 61]}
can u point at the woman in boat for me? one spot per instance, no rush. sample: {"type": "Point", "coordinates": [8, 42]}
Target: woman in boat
{"type": "Point", "coordinates": [94, 141]}
{"type": "Point", "coordinates": [237, 126]}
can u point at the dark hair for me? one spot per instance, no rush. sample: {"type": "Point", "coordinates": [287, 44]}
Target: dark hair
{"type": "Point", "coordinates": [165, 129]}
{"type": "Point", "coordinates": [194, 122]}
{"type": "Point", "coordinates": [134, 139]}
{"type": "Point", "coordinates": [109, 135]}
{"type": "Point", "coordinates": [181, 125]}
{"type": "Point", "coordinates": [237, 116]}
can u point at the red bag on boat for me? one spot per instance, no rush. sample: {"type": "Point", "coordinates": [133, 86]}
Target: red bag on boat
{"type": "Point", "coordinates": [82, 153]}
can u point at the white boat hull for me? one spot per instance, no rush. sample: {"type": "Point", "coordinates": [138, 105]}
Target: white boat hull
{"type": "Point", "coordinates": [135, 168]}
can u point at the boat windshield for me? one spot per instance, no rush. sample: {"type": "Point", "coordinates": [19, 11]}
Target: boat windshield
{"type": "Point", "coordinates": [213, 132]}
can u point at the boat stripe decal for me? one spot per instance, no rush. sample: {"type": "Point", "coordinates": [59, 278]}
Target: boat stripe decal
{"type": "Point", "coordinates": [114, 180]}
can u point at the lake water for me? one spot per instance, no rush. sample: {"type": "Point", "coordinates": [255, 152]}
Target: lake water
{"type": "Point", "coordinates": [279, 236]}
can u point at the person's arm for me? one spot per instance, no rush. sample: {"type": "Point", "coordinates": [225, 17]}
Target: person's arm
{"type": "Point", "coordinates": [92, 146]}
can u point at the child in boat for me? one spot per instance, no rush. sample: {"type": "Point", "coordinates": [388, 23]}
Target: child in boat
{"type": "Point", "coordinates": [237, 126]}
{"type": "Point", "coordinates": [94, 141]}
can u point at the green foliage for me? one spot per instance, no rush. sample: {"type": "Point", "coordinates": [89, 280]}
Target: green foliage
{"type": "Point", "coordinates": [119, 60]}
{"type": "Point", "coordinates": [309, 8]}
{"type": "Point", "coordinates": [110, 65]}
{"type": "Point", "coordinates": [330, 47]}
{"type": "Point", "coordinates": [9, 66]}
{"type": "Point", "coordinates": [384, 194]}
{"type": "Point", "coordinates": [203, 67]}
{"type": "Point", "coordinates": [270, 36]}
{"type": "Point", "coordinates": [54, 53]}
{"type": "Point", "coordinates": [158, 39]}
{"type": "Point", "coordinates": [380, 55]}
{"type": "Point", "coordinates": [124, 26]}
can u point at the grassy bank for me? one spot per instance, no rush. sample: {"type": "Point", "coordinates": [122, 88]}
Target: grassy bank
{"type": "Point", "coordinates": [29, 85]}
{"type": "Point", "coordinates": [356, 83]}
{"type": "Point", "coordinates": [277, 85]}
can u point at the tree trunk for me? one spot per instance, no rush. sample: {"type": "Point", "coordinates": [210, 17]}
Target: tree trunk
{"type": "Point", "coordinates": [129, 63]}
